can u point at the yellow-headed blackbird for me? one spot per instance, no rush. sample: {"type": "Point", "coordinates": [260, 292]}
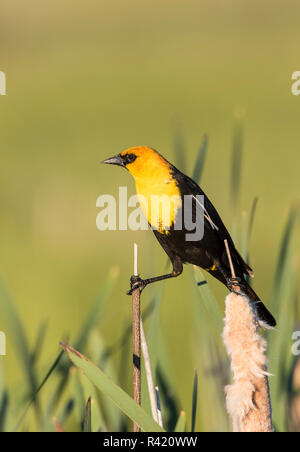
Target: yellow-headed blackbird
{"type": "Point", "coordinates": [158, 181]}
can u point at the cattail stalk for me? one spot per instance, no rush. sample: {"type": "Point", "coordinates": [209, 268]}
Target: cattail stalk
{"type": "Point", "coordinates": [139, 342]}
{"type": "Point", "coordinates": [248, 398]}
{"type": "Point", "coordinates": [136, 335]}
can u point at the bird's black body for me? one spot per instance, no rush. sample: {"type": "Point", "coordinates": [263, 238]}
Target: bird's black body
{"type": "Point", "coordinates": [209, 253]}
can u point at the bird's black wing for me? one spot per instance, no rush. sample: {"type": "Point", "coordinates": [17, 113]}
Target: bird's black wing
{"type": "Point", "coordinates": [215, 231]}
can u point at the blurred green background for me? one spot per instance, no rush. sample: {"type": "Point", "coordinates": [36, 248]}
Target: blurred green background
{"type": "Point", "coordinates": [87, 79]}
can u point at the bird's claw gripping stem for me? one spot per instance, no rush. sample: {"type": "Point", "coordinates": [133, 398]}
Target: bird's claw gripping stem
{"type": "Point", "coordinates": [136, 283]}
{"type": "Point", "coordinates": [234, 283]}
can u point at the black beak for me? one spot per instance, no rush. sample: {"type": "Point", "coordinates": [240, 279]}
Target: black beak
{"type": "Point", "coordinates": [116, 160]}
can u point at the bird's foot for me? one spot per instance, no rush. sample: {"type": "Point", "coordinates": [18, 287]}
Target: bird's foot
{"type": "Point", "coordinates": [136, 283]}
{"type": "Point", "coordinates": [236, 286]}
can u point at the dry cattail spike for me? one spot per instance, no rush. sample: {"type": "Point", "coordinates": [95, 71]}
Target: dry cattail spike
{"type": "Point", "coordinates": [248, 398]}
{"type": "Point", "coordinates": [294, 399]}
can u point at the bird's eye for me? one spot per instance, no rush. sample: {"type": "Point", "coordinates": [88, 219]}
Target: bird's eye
{"type": "Point", "coordinates": [130, 158]}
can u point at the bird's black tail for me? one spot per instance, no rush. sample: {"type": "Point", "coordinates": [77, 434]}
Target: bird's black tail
{"type": "Point", "coordinates": [265, 317]}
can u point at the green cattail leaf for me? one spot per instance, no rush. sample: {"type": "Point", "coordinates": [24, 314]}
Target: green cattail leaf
{"type": "Point", "coordinates": [181, 423]}
{"type": "Point", "coordinates": [282, 305]}
{"type": "Point", "coordinates": [153, 335]}
{"type": "Point", "coordinates": [93, 317]}
{"type": "Point", "coordinates": [90, 391]}
{"type": "Point", "coordinates": [17, 334]}
{"type": "Point", "coordinates": [201, 157]}
{"type": "Point", "coordinates": [4, 404]}
{"type": "Point", "coordinates": [179, 151]}
{"type": "Point", "coordinates": [236, 164]}
{"type": "Point", "coordinates": [246, 233]}
{"type": "Point", "coordinates": [39, 342]}
{"type": "Point", "coordinates": [87, 421]}
{"type": "Point", "coordinates": [66, 411]}
{"type": "Point", "coordinates": [210, 304]}
{"type": "Point", "coordinates": [194, 404]}
{"type": "Point", "coordinates": [78, 395]}
{"type": "Point", "coordinates": [252, 216]}
{"type": "Point", "coordinates": [282, 262]}
{"type": "Point", "coordinates": [47, 376]}
{"type": "Point", "coordinates": [110, 412]}
{"type": "Point", "coordinates": [113, 392]}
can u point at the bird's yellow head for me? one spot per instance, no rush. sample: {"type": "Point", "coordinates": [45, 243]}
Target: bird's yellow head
{"type": "Point", "coordinates": [142, 162]}
{"type": "Point", "coordinates": [158, 193]}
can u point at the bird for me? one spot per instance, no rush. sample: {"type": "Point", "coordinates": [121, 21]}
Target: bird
{"type": "Point", "coordinates": [159, 181]}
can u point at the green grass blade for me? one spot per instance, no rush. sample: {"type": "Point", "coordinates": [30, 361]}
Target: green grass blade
{"type": "Point", "coordinates": [2, 380]}
{"type": "Point", "coordinates": [244, 234]}
{"type": "Point", "coordinates": [181, 423]}
{"type": "Point", "coordinates": [93, 317]}
{"type": "Point", "coordinates": [87, 421]}
{"type": "Point", "coordinates": [247, 231]}
{"type": "Point", "coordinates": [17, 334]}
{"type": "Point", "coordinates": [236, 164]}
{"type": "Point", "coordinates": [163, 372]}
{"type": "Point", "coordinates": [89, 390]}
{"type": "Point", "coordinates": [4, 403]}
{"type": "Point", "coordinates": [111, 413]}
{"type": "Point", "coordinates": [39, 342]}
{"type": "Point", "coordinates": [56, 423]}
{"type": "Point", "coordinates": [47, 376]}
{"type": "Point", "coordinates": [280, 360]}
{"type": "Point", "coordinates": [194, 403]}
{"type": "Point", "coordinates": [50, 371]}
{"type": "Point", "coordinates": [210, 304]}
{"type": "Point", "coordinates": [153, 342]}
{"type": "Point", "coordinates": [114, 392]}
{"type": "Point", "coordinates": [77, 394]}
{"type": "Point", "coordinates": [3, 398]}
{"type": "Point", "coordinates": [179, 151]}
{"type": "Point", "coordinates": [282, 261]}
{"type": "Point", "coordinates": [200, 162]}
{"type": "Point", "coordinates": [168, 392]}
{"type": "Point", "coordinates": [209, 325]}
{"type": "Point", "coordinates": [282, 306]}
{"type": "Point", "coordinates": [252, 217]}
{"type": "Point", "coordinates": [66, 411]}
{"type": "Point", "coordinates": [153, 337]}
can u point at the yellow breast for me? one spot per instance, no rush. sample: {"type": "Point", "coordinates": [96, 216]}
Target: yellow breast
{"type": "Point", "coordinates": [160, 201]}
